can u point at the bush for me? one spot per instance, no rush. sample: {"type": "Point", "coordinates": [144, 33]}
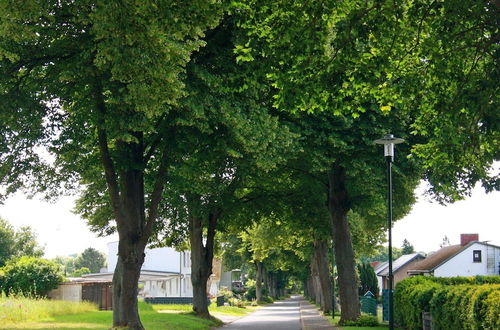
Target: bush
{"type": "Point", "coordinates": [80, 272]}
{"type": "Point", "coordinates": [363, 321]}
{"type": "Point", "coordinates": [411, 298]}
{"type": "Point", "coordinates": [30, 276]}
{"type": "Point", "coordinates": [454, 303]}
{"type": "Point", "coordinates": [267, 300]}
{"type": "Point", "coordinates": [228, 294]}
{"type": "Point", "coordinates": [250, 293]}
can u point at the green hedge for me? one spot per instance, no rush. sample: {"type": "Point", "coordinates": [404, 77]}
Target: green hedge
{"type": "Point", "coordinates": [454, 303]}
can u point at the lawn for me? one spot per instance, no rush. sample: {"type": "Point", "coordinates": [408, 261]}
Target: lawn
{"type": "Point", "coordinates": [150, 318]}
{"type": "Point", "coordinates": [227, 310]}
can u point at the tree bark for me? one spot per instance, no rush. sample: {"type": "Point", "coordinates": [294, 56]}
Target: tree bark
{"type": "Point", "coordinates": [339, 206]}
{"type": "Point", "coordinates": [321, 252]}
{"type": "Point", "coordinates": [314, 278]}
{"type": "Point", "coordinates": [127, 199]}
{"type": "Point", "coordinates": [258, 280]}
{"type": "Point", "coordinates": [201, 260]}
{"type": "Point", "coordinates": [310, 285]}
{"type": "Point", "coordinates": [125, 288]}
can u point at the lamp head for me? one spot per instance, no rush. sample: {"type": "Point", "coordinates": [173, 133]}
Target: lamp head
{"type": "Point", "coordinates": [389, 141]}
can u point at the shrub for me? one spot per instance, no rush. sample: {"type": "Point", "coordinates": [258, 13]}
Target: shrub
{"type": "Point", "coordinates": [80, 272]}
{"type": "Point", "coordinates": [250, 293]}
{"type": "Point", "coordinates": [411, 298]}
{"type": "Point", "coordinates": [30, 276]}
{"type": "Point", "coordinates": [491, 307]}
{"type": "Point", "coordinates": [454, 303]}
{"type": "Point", "coordinates": [226, 293]}
{"type": "Point", "coordinates": [267, 300]}
{"type": "Point", "coordinates": [367, 280]}
{"type": "Point", "coordinates": [363, 321]}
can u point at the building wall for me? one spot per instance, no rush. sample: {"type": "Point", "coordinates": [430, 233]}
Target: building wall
{"type": "Point", "coordinates": [161, 288]}
{"type": "Point", "coordinates": [463, 265]}
{"type": "Point", "coordinates": [164, 259]}
{"type": "Point", "coordinates": [67, 292]}
{"type": "Point", "coordinates": [402, 272]}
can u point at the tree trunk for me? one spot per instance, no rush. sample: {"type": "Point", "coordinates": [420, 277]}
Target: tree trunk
{"type": "Point", "coordinates": [125, 288]}
{"type": "Point", "coordinates": [315, 279]}
{"type": "Point", "coordinates": [201, 261]}
{"type": "Point", "coordinates": [321, 251]}
{"type": "Point", "coordinates": [338, 206]}
{"type": "Point", "coordinates": [310, 285]}
{"type": "Point", "coordinates": [258, 280]}
{"type": "Point", "coordinates": [125, 188]}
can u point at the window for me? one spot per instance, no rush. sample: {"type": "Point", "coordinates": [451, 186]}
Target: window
{"type": "Point", "coordinates": [476, 255]}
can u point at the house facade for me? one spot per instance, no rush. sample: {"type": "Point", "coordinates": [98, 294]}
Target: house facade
{"type": "Point", "coordinates": [165, 272]}
{"type": "Point", "coordinates": [400, 267]}
{"type": "Point", "coordinates": [469, 258]}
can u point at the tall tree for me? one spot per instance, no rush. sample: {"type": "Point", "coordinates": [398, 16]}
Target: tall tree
{"type": "Point", "coordinates": [17, 243]}
{"type": "Point", "coordinates": [90, 258]}
{"type": "Point", "coordinates": [424, 70]}
{"type": "Point", "coordinates": [367, 280]}
{"type": "Point", "coordinates": [95, 82]}
{"type": "Point", "coordinates": [407, 248]}
{"type": "Point", "coordinates": [227, 136]}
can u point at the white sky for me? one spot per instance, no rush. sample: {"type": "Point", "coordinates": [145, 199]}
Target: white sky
{"type": "Point", "coordinates": [58, 229]}
{"type": "Point", "coordinates": [64, 233]}
{"type": "Point", "coordinates": [428, 222]}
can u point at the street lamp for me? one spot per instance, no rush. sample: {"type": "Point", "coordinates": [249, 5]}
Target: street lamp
{"type": "Point", "coordinates": [389, 141]}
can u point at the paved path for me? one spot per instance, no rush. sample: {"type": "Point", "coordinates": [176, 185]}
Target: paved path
{"type": "Point", "coordinates": [291, 314]}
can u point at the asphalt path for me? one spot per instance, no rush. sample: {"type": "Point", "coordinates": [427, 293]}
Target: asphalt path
{"type": "Point", "coordinates": [282, 315]}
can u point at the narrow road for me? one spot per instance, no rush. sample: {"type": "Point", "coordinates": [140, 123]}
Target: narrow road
{"type": "Point", "coordinates": [282, 315]}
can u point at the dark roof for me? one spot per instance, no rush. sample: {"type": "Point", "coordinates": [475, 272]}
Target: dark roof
{"type": "Point", "coordinates": [400, 262]}
{"type": "Point", "coordinates": [437, 258]}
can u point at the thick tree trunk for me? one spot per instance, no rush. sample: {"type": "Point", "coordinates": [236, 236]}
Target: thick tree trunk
{"type": "Point", "coordinates": [201, 261]}
{"type": "Point", "coordinates": [321, 252]}
{"type": "Point", "coordinates": [258, 280]}
{"type": "Point", "coordinates": [125, 185]}
{"type": "Point", "coordinates": [339, 205]}
{"type": "Point", "coordinates": [125, 288]}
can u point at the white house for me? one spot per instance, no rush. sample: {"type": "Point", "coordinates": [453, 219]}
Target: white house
{"type": "Point", "coordinates": [165, 272]}
{"type": "Point", "coordinates": [469, 258]}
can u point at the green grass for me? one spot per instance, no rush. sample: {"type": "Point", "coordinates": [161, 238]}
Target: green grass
{"type": "Point", "coordinates": [336, 320]}
{"type": "Point", "coordinates": [228, 310]}
{"type": "Point", "coordinates": [151, 319]}
{"type": "Point", "coordinates": [20, 308]}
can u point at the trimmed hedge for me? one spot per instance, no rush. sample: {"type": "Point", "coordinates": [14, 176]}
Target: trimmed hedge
{"type": "Point", "coordinates": [454, 303]}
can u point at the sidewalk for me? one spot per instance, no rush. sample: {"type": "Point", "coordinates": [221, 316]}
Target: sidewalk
{"type": "Point", "coordinates": [311, 319]}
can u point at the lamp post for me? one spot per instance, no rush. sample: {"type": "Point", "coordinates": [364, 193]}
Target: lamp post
{"type": "Point", "coordinates": [389, 141]}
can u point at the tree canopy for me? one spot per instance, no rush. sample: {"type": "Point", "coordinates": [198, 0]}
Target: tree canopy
{"type": "Point", "coordinates": [91, 259]}
{"type": "Point", "coordinates": [17, 243]}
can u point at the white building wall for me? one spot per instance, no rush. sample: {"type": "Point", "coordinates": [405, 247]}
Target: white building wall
{"type": "Point", "coordinates": [164, 259]}
{"type": "Point", "coordinates": [463, 265]}
{"type": "Point", "coordinates": [161, 259]}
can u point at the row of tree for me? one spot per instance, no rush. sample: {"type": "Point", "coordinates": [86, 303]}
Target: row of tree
{"type": "Point", "coordinates": [177, 121]}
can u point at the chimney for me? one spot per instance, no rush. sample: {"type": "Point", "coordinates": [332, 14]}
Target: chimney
{"type": "Point", "coordinates": [467, 238]}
